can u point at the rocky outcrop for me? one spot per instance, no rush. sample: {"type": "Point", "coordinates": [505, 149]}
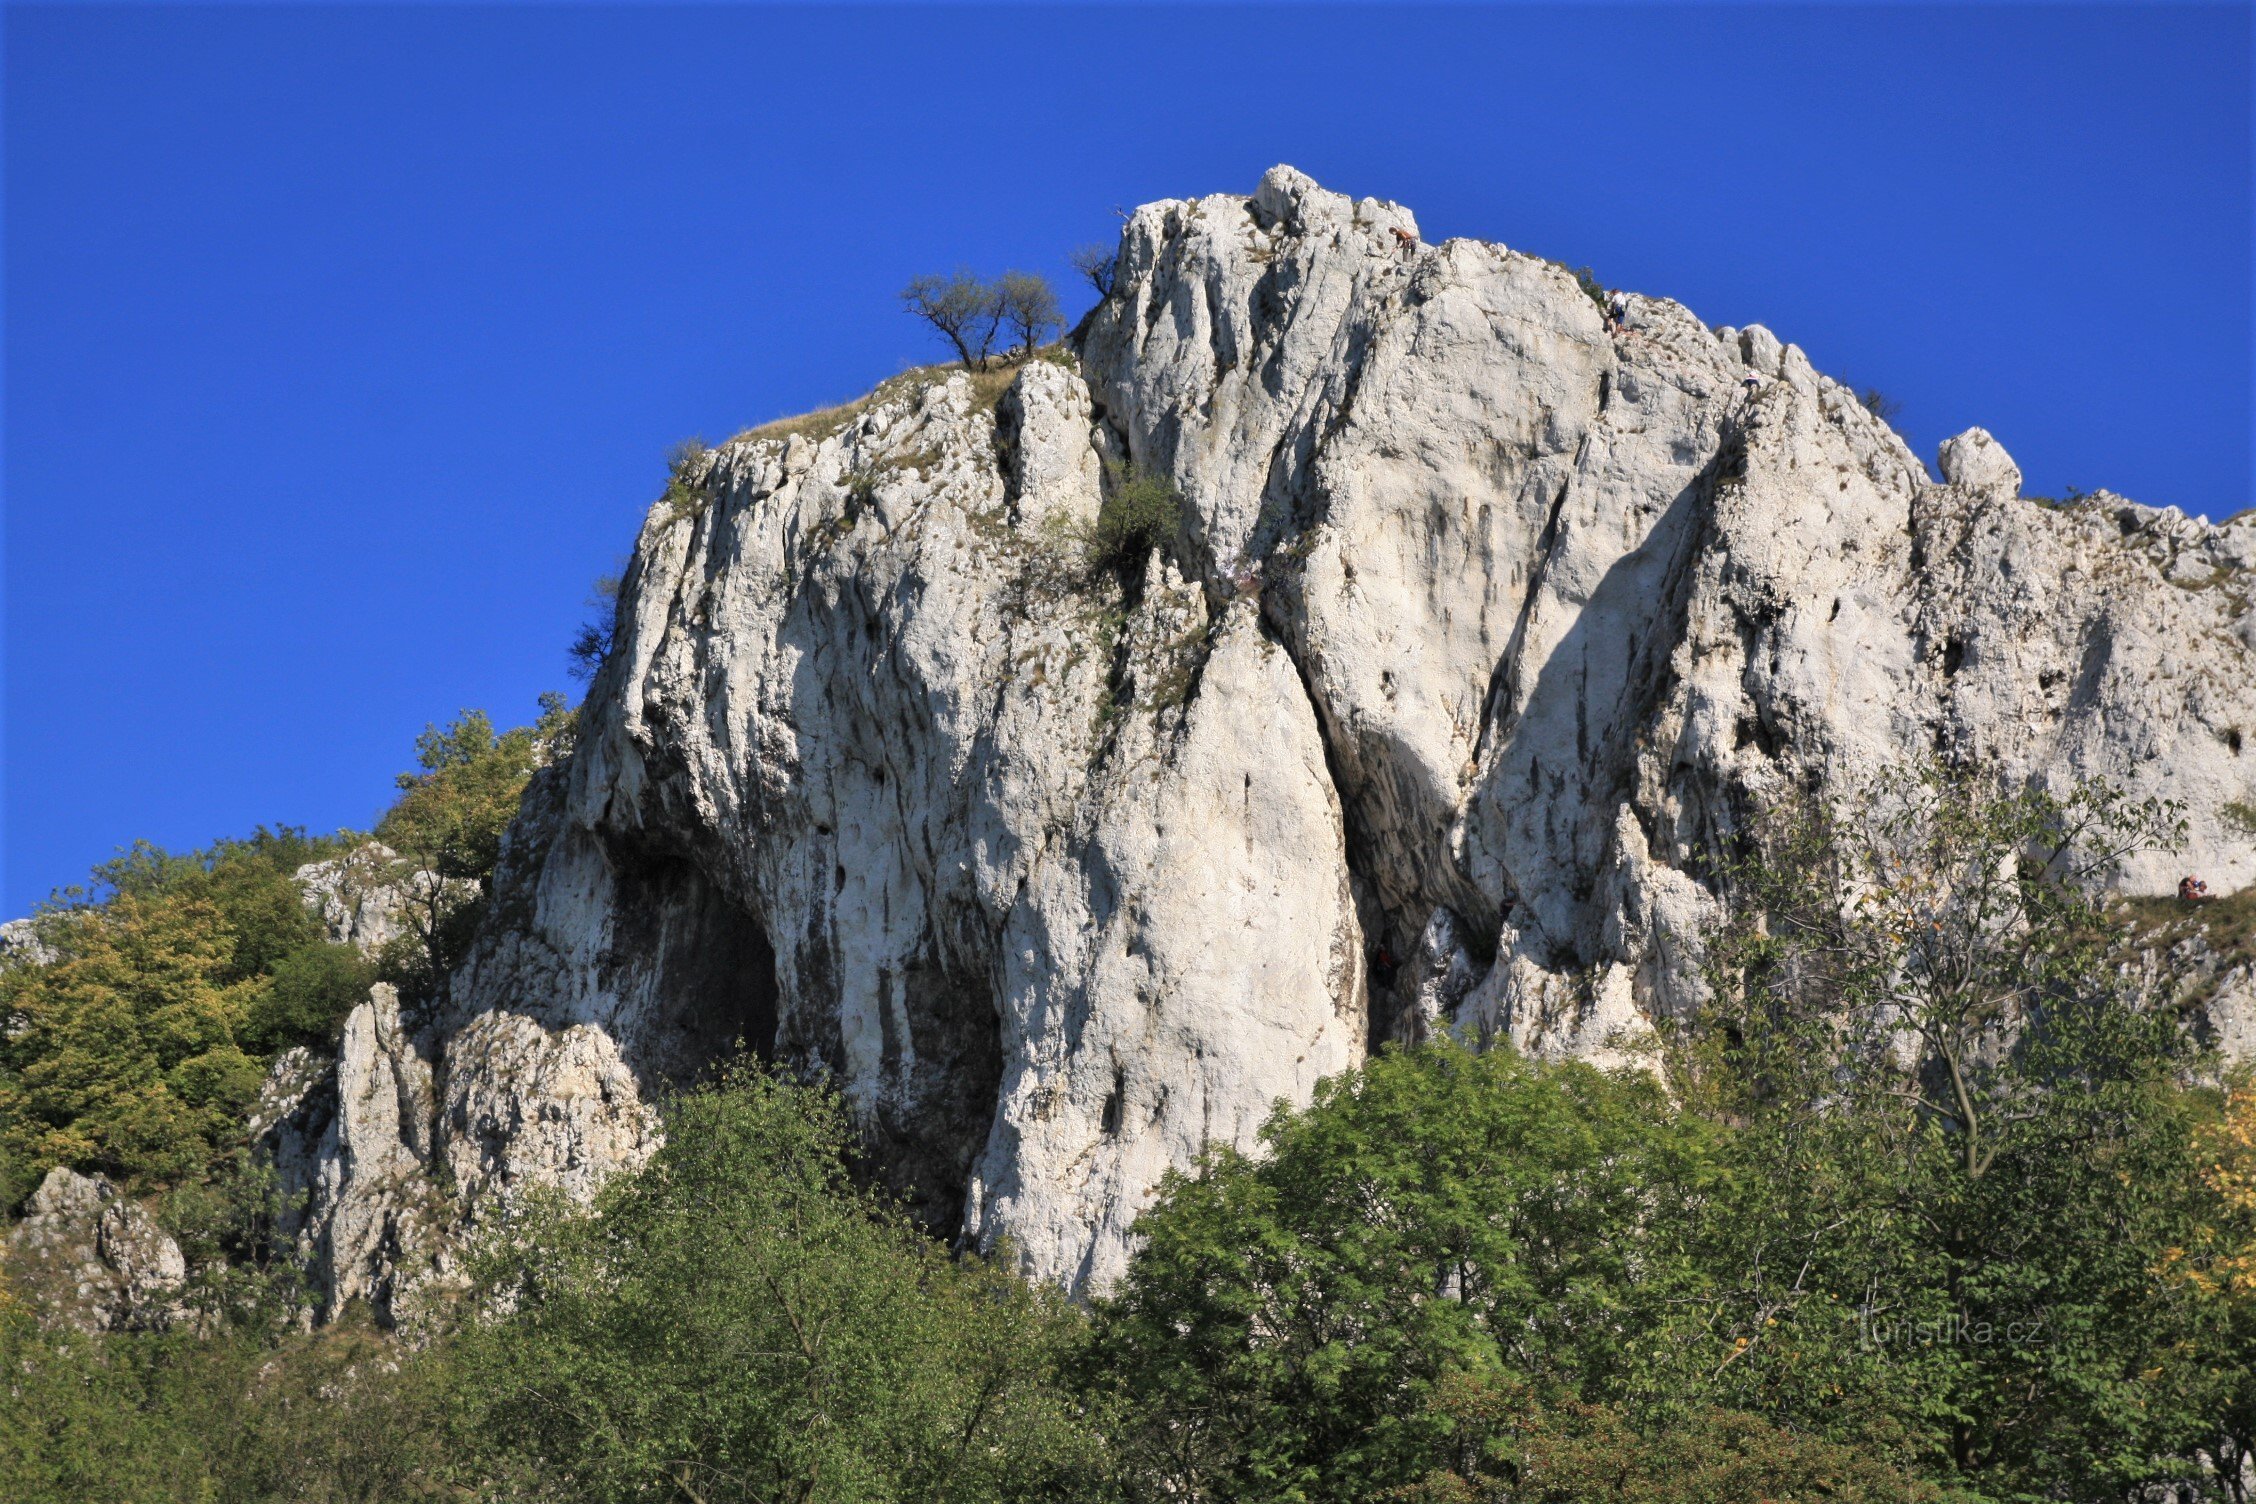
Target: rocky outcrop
{"type": "Point", "coordinates": [352, 1143]}
{"type": "Point", "coordinates": [369, 896]}
{"type": "Point", "coordinates": [94, 1259]}
{"type": "Point", "coordinates": [21, 945]}
{"type": "Point", "coordinates": [1481, 624]}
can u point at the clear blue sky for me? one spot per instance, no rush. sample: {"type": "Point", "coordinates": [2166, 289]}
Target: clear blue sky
{"type": "Point", "coordinates": [343, 345]}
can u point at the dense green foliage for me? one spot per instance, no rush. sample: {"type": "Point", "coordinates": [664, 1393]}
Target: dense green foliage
{"type": "Point", "coordinates": [1435, 1214]}
{"type": "Point", "coordinates": [740, 1321]}
{"type": "Point", "coordinates": [1930, 1166]}
{"type": "Point", "coordinates": [175, 978]}
{"type": "Point", "coordinates": [1140, 512]}
{"type": "Point", "coordinates": [1917, 1205]}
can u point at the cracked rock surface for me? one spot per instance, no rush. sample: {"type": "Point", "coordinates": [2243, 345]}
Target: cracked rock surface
{"type": "Point", "coordinates": [97, 1259]}
{"type": "Point", "coordinates": [1480, 624]}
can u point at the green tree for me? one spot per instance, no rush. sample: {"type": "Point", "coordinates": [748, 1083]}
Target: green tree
{"type": "Point", "coordinates": [1436, 1217]}
{"type": "Point", "coordinates": [445, 831]}
{"type": "Point", "coordinates": [122, 1055]}
{"type": "Point", "coordinates": [740, 1322]}
{"type": "Point", "coordinates": [178, 975]}
{"type": "Point", "coordinates": [2213, 1277]}
{"type": "Point", "coordinates": [1966, 1148]}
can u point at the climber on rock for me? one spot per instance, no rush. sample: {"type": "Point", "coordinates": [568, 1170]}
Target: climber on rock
{"type": "Point", "coordinates": [1617, 314]}
{"type": "Point", "coordinates": [2192, 889]}
{"type": "Point", "coordinates": [1403, 238]}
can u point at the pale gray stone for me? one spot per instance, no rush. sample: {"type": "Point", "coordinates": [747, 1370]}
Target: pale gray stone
{"type": "Point", "coordinates": [1483, 624]}
{"type": "Point", "coordinates": [1975, 460]}
{"type": "Point", "coordinates": [93, 1259]}
{"type": "Point", "coordinates": [20, 944]}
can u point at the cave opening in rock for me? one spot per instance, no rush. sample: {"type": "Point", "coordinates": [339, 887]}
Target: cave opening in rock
{"type": "Point", "coordinates": [708, 968]}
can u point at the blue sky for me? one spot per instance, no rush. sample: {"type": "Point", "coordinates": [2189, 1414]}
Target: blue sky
{"type": "Point", "coordinates": [344, 345]}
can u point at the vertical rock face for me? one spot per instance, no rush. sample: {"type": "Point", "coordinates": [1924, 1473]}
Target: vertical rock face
{"type": "Point", "coordinates": [353, 1141]}
{"type": "Point", "coordinates": [1482, 621]}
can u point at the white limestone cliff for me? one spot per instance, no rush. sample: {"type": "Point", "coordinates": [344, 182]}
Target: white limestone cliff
{"type": "Point", "coordinates": [1483, 622]}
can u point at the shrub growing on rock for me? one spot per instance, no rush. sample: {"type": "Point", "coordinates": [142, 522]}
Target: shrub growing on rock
{"type": "Point", "coordinates": [1141, 513]}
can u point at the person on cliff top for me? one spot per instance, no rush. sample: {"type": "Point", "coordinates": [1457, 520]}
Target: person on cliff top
{"type": "Point", "coordinates": [1617, 314]}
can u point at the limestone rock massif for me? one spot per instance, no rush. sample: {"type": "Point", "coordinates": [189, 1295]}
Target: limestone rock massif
{"type": "Point", "coordinates": [1481, 622]}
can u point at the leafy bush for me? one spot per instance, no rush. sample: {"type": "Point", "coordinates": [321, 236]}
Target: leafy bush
{"type": "Point", "coordinates": [687, 492]}
{"type": "Point", "coordinates": [306, 998]}
{"type": "Point", "coordinates": [740, 1321]}
{"type": "Point", "coordinates": [1592, 288]}
{"type": "Point", "coordinates": [1287, 1330]}
{"type": "Point", "coordinates": [1143, 512]}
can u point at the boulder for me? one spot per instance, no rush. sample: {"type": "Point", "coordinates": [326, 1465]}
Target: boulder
{"type": "Point", "coordinates": [1978, 462]}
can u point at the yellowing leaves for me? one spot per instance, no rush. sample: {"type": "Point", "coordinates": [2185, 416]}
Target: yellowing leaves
{"type": "Point", "coordinates": [123, 1056]}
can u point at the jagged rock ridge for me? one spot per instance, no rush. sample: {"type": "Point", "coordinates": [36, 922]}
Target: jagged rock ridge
{"type": "Point", "coordinates": [1483, 621]}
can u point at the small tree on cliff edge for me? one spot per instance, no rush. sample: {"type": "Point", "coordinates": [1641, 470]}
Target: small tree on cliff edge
{"type": "Point", "coordinates": [965, 310]}
{"type": "Point", "coordinates": [1097, 263]}
{"type": "Point", "coordinates": [1029, 308]}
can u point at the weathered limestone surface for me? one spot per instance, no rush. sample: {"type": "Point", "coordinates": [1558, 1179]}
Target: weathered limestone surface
{"type": "Point", "coordinates": [1481, 624]}
{"type": "Point", "coordinates": [354, 1139]}
{"type": "Point", "coordinates": [364, 900]}
{"type": "Point", "coordinates": [94, 1259]}
{"type": "Point", "coordinates": [20, 944]}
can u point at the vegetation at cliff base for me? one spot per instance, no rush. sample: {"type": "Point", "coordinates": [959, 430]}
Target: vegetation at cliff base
{"type": "Point", "coordinates": [744, 1321]}
{"type": "Point", "coordinates": [1926, 1198]}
